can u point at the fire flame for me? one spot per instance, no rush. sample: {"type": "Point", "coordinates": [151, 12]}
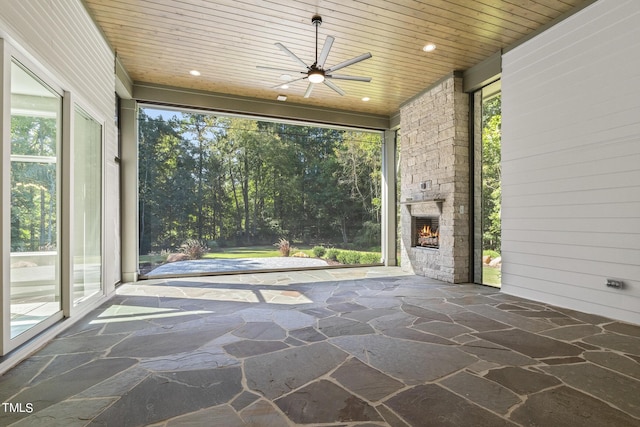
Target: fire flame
{"type": "Point", "coordinates": [426, 232]}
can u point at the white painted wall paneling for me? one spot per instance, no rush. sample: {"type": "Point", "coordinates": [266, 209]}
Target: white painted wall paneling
{"type": "Point", "coordinates": [571, 162]}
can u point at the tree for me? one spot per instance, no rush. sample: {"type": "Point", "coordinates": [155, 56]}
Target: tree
{"type": "Point", "coordinates": [359, 157]}
{"type": "Point", "coordinates": [159, 164]}
{"type": "Point", "coordinates": [33, 184]}
{"type": "Point", "coordinates": [200, 133]}
{"type": "Point", "coordinates": [491, 174]}
{"type": "Point", "coordinates": [250, 151]}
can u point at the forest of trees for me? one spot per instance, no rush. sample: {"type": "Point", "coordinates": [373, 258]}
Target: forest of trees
{"type": "Point", "coordinates": [236, 182]}
{"type": "Point", "coordinates": [491, 174]}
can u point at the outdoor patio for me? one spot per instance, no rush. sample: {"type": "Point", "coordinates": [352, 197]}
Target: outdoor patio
{"type": "Point", "coordinates": [340, 347]}
{"type": "Point", "coordinates": [205, 266]}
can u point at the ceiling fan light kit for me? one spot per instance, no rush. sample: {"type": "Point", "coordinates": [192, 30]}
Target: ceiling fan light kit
{"type": "Point", "coordinates": [316, 73]}
{"type": "Point", "coordinates": [315, 76]}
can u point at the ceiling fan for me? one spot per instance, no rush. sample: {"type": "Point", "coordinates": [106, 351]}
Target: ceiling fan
{"type": "Point", "coordinates": [316, 73]}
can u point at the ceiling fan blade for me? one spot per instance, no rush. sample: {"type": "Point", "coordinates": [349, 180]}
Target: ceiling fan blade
{"type": "Point", "coordinates": [349, 62]}
{"type": "Point", "coordinates": [279, 85]}
{"type": "Point", "coordinates": [343, 77]}
{"type": "Point", "coordinates": [325, 51]}
{"type": "Point", "coordinates": [309, 89]}
{"type": "Point", "coordinates": [334, 87]}
{"type": "Point", "coordinates": [282, 70]}
{"type": "Point", "coordinates": [291, 54]}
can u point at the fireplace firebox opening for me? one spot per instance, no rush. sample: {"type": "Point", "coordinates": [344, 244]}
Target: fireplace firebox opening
{"type": "Point", "coordinates": [426, 233]}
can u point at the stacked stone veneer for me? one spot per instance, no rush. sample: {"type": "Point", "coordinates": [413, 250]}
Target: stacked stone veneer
{"type": "Point", "coordinates": [434, 144]}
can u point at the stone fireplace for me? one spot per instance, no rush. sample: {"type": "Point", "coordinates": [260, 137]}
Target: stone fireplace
{"type": "Point", "coordinates": [434, 173]}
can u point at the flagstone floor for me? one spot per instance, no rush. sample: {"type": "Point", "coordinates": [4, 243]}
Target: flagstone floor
{"type": "Point", "coordinates": [343, 347]}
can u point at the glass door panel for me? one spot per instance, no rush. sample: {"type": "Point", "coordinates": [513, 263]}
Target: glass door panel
{"type": "Point", "coordinates": [87, 207]}
{"type": "Point", "coordinates": [35, 200]}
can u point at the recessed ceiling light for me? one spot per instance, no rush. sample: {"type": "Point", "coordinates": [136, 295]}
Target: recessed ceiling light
{"type": "Point", "coordinates": [286, 77]}
{"type": "Point", "coordinates": [429, 47]}
{"type": "Point", "coordinates": [282, 97]}
{"type": "Point", "coordinates": [366, 99]}
{"type": "Point", "coordinates": [284, 86]}
{"type": "Point", "coordinates": [194, 73]}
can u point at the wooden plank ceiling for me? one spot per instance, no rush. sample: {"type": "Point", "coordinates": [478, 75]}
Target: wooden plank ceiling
{"type": "Point", "coordinates": [161, 41]}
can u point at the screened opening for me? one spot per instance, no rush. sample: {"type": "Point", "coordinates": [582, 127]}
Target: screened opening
{"type": "Point", "coordinates": [488, 186]}
{"type": "Point", "coordinates": [225, 194]}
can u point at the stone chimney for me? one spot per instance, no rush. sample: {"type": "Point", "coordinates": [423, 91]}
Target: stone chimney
{"type": "Point", "coordinates": [434, 173]}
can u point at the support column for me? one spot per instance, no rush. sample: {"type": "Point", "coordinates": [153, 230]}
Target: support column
{"type": "Point", "coordinates": [129, 188]}
{"type": "Point", "coordinates": [389, 225]}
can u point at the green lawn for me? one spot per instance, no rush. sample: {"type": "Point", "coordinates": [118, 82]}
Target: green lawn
{"type": "Point", "coordinates": [237, 252]}
{"type": "Point", "coordinates": [265, 251]}
{"type": "Point", "coordinates": [254, 252]}
{"type": "Point", "coordinates": [491, 276]}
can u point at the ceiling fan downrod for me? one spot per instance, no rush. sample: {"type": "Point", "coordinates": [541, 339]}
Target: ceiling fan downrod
{"type": "Point", "coordinates": [316, 21]}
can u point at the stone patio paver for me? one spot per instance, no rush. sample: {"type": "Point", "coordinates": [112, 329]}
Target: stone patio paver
{"type": "Point", "coordinates": [608, 359]}
{"type": "Point", "coordinates": [433, 405]}
{"type": "Point", "coordinates": [529, 344]}
{"type": "Point", "coordinates": [325, 402]}
{"type": "Point", "coordinates": [624, 343]}
{"type": "Point", "coordinates": [409, 361]}
{"type": "Point", "coordinates": [564, 406]}
{"type": "Point", "coordinates": [353, 347]}
{"type": "Point", "coordinates": [600, 382]}
{"type": "Point", "coordinates": [481, 391]}
{"type": "Point", "coordinates": [276, 374]}
{"type": "Point", "coordinates": [522, 381]}
{"type": "Point", "coordinates": [365, 381]}
{"type": "Point", "coordinates": [495, 353]}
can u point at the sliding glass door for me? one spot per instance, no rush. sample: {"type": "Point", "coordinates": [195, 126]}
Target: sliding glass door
{"type": "Point", "coordinates": [51, 188]}
{"type": "Point", "coordinates": [35, 292]}
{"type": "Point", "coordinates": [87, 207]}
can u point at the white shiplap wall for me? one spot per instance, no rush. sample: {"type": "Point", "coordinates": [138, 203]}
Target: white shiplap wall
{"type": "Point", "coordinates": [571, 162]}
{"type": "Point", "coordinates": [60, 37]}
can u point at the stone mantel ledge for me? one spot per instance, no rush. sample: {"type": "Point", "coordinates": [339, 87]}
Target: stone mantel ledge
{"type": "Point", "coordinates": [437, 199]}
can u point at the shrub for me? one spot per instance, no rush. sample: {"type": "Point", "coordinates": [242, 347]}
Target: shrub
{"type": "Point", "coordinates": [349, 257]}
{"type": "Point", "coordinates": [342, 257]}
{"type": "Point", "coordinates": [193, 248]}
{"type": "Point", "coordinates": [369, 258]}
{"type": "Point", "coordinates": [283, 246]}
{"type": "Point", "coordinates": [354, 257]}
{"type": "Point", "coordinates": [332, 254]}
{"type": "Point", "coordinates": [319, 251]}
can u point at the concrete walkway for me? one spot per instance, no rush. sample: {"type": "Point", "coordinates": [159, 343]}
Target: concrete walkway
{"type": "Point", "coordinates": [343, 347]}
{"type": "Point", "coordinates": [237, 264]}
